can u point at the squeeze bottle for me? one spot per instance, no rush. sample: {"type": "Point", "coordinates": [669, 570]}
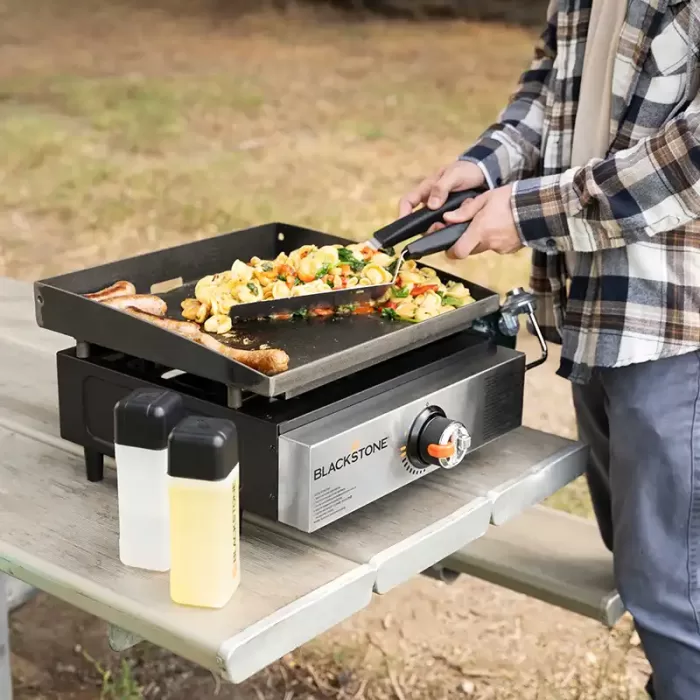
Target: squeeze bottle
{"type": "Point", "coordinates": [142, 423]}
{"type": "Point", "coordinates": [204, 527]}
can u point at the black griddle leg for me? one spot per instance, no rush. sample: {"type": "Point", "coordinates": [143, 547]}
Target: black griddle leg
{"type": "Point", "coordinates": [94, 464]}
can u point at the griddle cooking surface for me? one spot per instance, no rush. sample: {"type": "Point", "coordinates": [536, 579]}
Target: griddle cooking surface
{"type": "Point", "coordinates": [305, 340]}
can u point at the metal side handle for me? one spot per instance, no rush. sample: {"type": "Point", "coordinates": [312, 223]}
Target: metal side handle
{"type": "Point", "coordinates": [517, 303]}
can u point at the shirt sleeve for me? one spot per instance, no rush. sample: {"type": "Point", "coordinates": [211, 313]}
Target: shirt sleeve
{"type": "Point", "coordinates": [509, 150]}
{"type": "Point", "coordinates": [650, 188]}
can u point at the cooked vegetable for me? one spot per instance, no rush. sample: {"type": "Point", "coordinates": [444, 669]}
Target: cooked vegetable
{"type": "Point", "coordinates": [422, 314]}
{"type": "Point", "coordinates": [345, 255]}
{"type": "Point", "coordinates": [423, 288]}
{"type": "Point", "coordinates": [406, 310]}
{"type": "Point", "coordinates": [323, 270]}
{"type": "Point", "coordinates": [218, 324]}
{"type": "Point", "coordinates": [400, 292]}
{"type": "Point", "coordinates": [453, 301]}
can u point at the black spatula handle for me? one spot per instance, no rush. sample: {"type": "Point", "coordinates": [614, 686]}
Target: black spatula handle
{"type": "Point", "coordinates": [435, 242]}
{"type": "Point", "coordinates": [420, 220]}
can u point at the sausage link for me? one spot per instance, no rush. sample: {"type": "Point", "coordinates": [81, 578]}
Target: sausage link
{"type": "Point", "coordinates": [148, 303]}
{"type": "Point", "coordinates": [118, 289]}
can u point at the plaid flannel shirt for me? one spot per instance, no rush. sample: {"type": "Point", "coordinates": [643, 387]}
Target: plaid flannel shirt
{"type": "Point", "coordinates": [629, 222]}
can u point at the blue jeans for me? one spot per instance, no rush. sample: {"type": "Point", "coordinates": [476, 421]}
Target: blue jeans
{"type": "Point", "coordinates": [642, 423]}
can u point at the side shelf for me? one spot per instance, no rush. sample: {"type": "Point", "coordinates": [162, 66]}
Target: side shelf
{"type": "Point", "coordinates": [546, 554]}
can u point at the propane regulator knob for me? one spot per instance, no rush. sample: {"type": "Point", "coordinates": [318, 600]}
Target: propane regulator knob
{"type": "Point", "coordinates": [435, 440]}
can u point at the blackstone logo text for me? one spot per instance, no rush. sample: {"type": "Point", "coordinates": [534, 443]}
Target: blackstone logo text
{"type": "Point", "coordinates": [351, 458]}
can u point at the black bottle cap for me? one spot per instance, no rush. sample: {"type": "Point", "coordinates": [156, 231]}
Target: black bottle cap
{"type": "Point", "coordinates": [203, 448]}
{"type": "Point", "coordinates": [145, 418]}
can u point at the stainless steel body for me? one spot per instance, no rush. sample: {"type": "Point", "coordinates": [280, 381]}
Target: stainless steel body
{"type": "Point", "coordinates": [340, 463]}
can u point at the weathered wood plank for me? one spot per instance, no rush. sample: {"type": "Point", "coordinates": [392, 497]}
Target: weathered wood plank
{"type": "Point", "coordinates": [549, 555]}
{"type": "Point", "coordinates": [402, 534]}
{"type": "Point", "coordinates": [59, 533]}
{"type": "Point", "coordinates": [515, 472]}
{"type": "Point", "coordinates": [18, 319]}
{"type": "Point", "coordinates": [29, 392]}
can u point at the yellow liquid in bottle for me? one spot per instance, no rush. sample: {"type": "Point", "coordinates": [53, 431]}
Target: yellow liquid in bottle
{"type": "Point", "coordinates": [204, 540]}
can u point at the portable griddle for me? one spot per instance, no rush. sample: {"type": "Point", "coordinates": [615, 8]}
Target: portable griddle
{"type": "Point", "coordinates": [367, 405]}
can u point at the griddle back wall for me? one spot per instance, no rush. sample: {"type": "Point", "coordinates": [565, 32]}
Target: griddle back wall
{"type": "Point", "coordinates": [87, 393]}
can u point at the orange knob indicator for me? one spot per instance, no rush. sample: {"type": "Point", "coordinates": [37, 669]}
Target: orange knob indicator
{"type": "Point", "coordinates": [441, 451]}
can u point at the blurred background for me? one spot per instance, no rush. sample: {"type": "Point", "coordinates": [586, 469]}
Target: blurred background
{"type": "Point", "coordinates": [127, 126]}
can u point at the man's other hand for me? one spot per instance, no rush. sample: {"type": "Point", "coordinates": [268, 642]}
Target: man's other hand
{"type": "Point", "coordinates": [492, 224]}
{"type": "Point", "coordinates": [433, 191]}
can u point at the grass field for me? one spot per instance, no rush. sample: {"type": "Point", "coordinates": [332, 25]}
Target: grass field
{"type": "Point", "coordinates": [192, 127]}
{"type": "Point", "coordinates": [126, 127]}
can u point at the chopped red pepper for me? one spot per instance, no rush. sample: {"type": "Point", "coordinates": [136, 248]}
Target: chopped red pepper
{"type": "Point", "coordinates": [422, 289]}
{"type": "Point", "coordinates": [322, 311]}
{"type": "Point", "coordinates": [364, 309]}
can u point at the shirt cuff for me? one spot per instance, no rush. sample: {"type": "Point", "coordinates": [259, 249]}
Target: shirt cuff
{"type": "Point", "coordinates": [539, 207]}
{"type": "Point", "coordinates": [487, 154]}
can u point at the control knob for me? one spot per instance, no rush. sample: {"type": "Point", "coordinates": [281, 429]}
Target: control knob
{"type": "Point", "coordinates": [435, 439]}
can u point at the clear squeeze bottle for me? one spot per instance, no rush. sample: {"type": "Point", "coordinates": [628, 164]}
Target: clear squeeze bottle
{"type": "Point", "coordinates": [204, 527]}
{"type": "Point", "coordinates": [142, 423]}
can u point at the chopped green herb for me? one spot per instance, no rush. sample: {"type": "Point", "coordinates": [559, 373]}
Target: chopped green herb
{"type": "Point", "coordinates": [389, 313]}
{"type": "Point", "coordinates": [297, 282]}
{"type": "Point", "coordinates": [400, 292]}
{"type": "Point", "coordinates": [267, 266]}
{"type": "Point", "coordinates": [345, 255]}
{"type": "Point", "coordinates": [253, 288]}
{"type": "Point", "coordinates": [282, 278]}
{"type": "Point", "coordinates": [301, 313]}
{"type": "Point", "coordinates": [323, 270]}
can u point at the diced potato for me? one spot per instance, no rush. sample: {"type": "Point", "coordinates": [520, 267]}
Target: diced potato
{"type": "Point", "coordinates": [218, 324]}
{"type": "Point", "coordinates": [422, 314]}
{"type": "Point", "coordinates": [279, 290]}
{"type": "Point", "coordinates": [406, 309]}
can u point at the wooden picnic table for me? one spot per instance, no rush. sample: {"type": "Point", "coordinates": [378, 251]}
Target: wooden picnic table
{"type": "Point", "coordinates": [59, 532]}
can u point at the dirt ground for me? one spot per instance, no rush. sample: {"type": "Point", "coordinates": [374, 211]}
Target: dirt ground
{"type": "Point", "coordinates": [128, 126]}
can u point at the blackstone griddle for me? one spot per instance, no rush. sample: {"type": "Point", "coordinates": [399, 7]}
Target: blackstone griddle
{"type": "Point", "coordinates": [367, 405]}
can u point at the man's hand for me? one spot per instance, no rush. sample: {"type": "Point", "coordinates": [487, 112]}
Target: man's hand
{"type": "Point", "coordinates": [433, 191]}
{"type": "Point", "coordinates": [492, 224]}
